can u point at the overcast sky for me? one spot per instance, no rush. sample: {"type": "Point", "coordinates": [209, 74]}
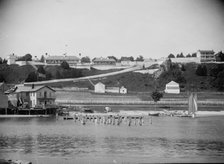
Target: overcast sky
{"type": "Point", "coordinates": [94, 28]}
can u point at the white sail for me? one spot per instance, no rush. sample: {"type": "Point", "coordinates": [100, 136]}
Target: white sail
{"type": "Point", "coordinates": [192, 105]}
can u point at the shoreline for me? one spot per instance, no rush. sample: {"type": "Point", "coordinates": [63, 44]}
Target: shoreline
{"type": "Point", "coordinates": [24, 116]}
{"type": "Point", "coordinates": [146, 113]}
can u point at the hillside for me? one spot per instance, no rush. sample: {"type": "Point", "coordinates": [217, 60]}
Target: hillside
{"type": "Point", "coordinates": [133, 81]}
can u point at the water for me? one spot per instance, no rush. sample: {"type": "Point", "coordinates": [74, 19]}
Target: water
{"type": "Point", "coordinates": [167, 139]}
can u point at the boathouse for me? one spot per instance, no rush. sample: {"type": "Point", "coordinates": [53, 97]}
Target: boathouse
{"type": "Point", "coordinates": [172, 87]}
{"type": "Point", "coordinates": [34, 96]}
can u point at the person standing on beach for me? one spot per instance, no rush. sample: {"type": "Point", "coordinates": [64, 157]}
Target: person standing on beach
{"type": "Point", "coordinates": [129, 121]}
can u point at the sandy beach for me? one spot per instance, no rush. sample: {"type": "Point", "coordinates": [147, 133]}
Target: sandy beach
{"type": "Point", "coordinates": [146, 113]}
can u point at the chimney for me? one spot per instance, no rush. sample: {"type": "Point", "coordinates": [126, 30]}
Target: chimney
{"type": "Point", "coordinates": [32, 86]}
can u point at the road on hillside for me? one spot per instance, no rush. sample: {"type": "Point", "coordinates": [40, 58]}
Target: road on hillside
{"type": "Point", "coordinates": [86, 77]}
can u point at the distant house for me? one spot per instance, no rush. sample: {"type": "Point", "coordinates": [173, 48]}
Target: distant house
{"type": "Point", "coordinates": [99, 88]}
{"type": "Point", "coordinates": [123, 90]}
{"type": "Point", "coordinates": [126, 61]}
{"type": "Point", "coordinates": [219, 56]}
{"type": "Point", "coordinates": [57, 60]}
{"type": "Point", "coordinates": [11, 59]}
{"type": "Point", "coordinates": [33, 96]}
{"type": "Point", "coordinates": [103, 61]}
{"type": "Point", "coordinates": [172, 87]}
{"type": "Point", "coordinates": [206, 55]}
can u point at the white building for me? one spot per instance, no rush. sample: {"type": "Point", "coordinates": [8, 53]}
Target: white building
{"type": "Point", "coordinates": [123, 90]}
{"type": "Point", "coordinates": [99, 88]}
{"type": "Point", "coordinates": [172, 87]}
{"type": "Point", "coordinates": [11, 59]}
{"type": "Point", "coordinates": [34, 96]}
{"type": "Point", "coordinates": [206, 55]}
{"type": "Point", "coordinates": [57, 60]}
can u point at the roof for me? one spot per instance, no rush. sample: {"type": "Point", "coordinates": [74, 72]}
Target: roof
{"type": "Point", "coordinates": [125, 59]}
{"type": "Point", "coordinates": [99, 83]}
{"type": "Point", "coordinates": [62, 58]}
{"type": "Point", "coordinates": [103, 59]}
{"type": "Point", "coordinates": [206, 51]}
{"type": "Point", "coordinates": [172, 83]}
{"type": "Point", "coordinates": [219, 53]}
{"type": "Point", "coordinates": [22, 88]}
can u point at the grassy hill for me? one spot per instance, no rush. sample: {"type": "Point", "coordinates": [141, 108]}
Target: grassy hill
{"type": "Point", "coordinates": [133, 81]}
{"type": "Point", "coordinates": [14, 73]}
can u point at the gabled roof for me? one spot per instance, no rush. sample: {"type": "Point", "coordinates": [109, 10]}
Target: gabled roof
{"type": "Point", "coordinates": [172, 83]}
{"type": "Point", "coordinates": [22, 88]}
{"type": "Point", "coordinates": [99, 83]}
{"type": "Point", "coordinates": [206, 51]}
{"type": "Point", "coordinates": [219, 53]}
{"type": "Point", "coordinates": [62, 58]}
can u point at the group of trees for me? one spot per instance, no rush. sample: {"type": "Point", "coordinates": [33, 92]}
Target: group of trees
{"type": "Point", "coordinates": [86, 59]}
{"type": "Point", "coordinates": [201, 70]}
{"type": "Point", "coordinates": [182, 56]}
{"type": "Point", "coordinates": [3, 61]}
{"type": "Point", "coordinates": [27, 57]}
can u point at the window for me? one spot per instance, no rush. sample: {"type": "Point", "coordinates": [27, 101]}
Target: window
{"type": "Point", "coordinates": [45, 94]}
{"type": "Point", "coordinates": [40, 94]}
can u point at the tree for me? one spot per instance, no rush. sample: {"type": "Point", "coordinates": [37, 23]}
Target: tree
{"type": "Point", "coordinates": [0, 60]}
{"type": "Point", "coordinates": [85, 59]}
{"type": "Point", "coordinates": [171, 56]}
{"type": "Point", "coordinates": [156, 95]}
{"type": "Point", "coordinates": [2, 78]}
{"type": "Point", "coordinates": [42, 59]}
{"type": "Point", "coordinates": [32, 77]}
{"type": "Point", "coordinates": [65, 65]}
{"type": "Point", "coordinates": [27, 57]}
{"type": "Point", "coordinates": [183, 68]}
{"type": "Point", "coordinates": [219, 81]}
{"type": "Point", "coordinates": [188, 55]}
{"type": "Point", "coordinates": [4, 61]}
{"type": "Point", "coordinates": [140, 58]}
{"type": "Point", "coordinates": [41, 69]}
{"type": "Point", "coordinates": [194, 55]}
{"type": "Point", "coordinates": [201, 70]}
{"type": "Point", "coordinates": [112, 57]}
{"type": "Point", "coordinates": [181, 55]}
{"type": "Point", "coordinates": [131, 58]}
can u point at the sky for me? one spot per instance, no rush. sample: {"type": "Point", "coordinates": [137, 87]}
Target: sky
{"type": "Point", "coordinates": [101, 28]}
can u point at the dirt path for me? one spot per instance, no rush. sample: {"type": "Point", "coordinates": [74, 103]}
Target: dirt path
{"type": "Point", "coordinates": [87, 77]}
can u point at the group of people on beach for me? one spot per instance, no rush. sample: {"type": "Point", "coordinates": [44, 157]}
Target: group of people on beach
{"type": "Point", "coordinates": [109, 119]}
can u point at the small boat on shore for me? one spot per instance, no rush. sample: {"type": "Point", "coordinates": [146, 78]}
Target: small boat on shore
{"type": "Point", "coordinates": [154, 114]}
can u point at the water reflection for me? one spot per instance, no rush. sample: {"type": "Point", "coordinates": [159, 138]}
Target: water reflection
{"type": "Point", "coordinates": [66, 139]}
{"type": "Point", "coordinates": [79, 145]}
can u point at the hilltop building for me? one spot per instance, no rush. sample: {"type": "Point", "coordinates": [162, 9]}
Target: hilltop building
{"type": "Point", "coordinates": [57, 60]}
{"type": "Point", "coordinates": [172, 87]}
{"type": "Point", "coordinates": [206, 55]}
{"type": "Point", "coordinates": [103, 61]}
{"type": "Point", "coordinates": [11, 59]}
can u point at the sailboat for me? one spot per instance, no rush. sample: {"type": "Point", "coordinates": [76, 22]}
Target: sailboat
{"type": "Point", "coordinates": [192, 105]}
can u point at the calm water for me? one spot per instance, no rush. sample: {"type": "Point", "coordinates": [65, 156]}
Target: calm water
{"type": "Point", "coordinates": [167, 139]}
